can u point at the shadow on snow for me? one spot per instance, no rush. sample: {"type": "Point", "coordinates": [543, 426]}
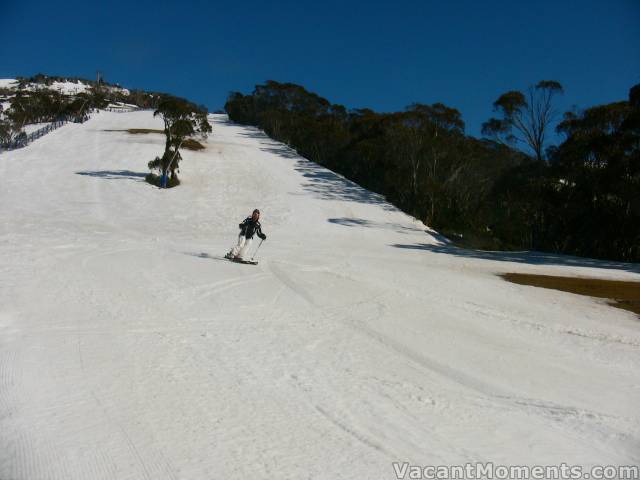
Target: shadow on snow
{"type": "Point", "coordinates": [321, 182]}
{"type": "Point", "coordinates": [115, 174]}
{"type": "Point", "coordinates": [361, 222]}
{"type": "Point", "coordinates": [205, 255]}
{"type": "Point", "coordinates": [528, 257]}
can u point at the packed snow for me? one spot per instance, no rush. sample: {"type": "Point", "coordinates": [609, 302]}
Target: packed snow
{"type": "Point", "coordinates": [129, 348]}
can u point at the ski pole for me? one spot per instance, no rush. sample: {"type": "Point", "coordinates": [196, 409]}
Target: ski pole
{"type": "Point", "coordinates": [254, 253]}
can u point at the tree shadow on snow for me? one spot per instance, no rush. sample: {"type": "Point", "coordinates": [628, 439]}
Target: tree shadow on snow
{"type": "Point", "coordinates": [254, 132]}
{"type": "Point", "coordinates": [224, 121]}
{"type": "Point", "coordinates": [320, 181]}
{"type": "Point", "coordinates": [361, 222]}
{"type": "Point", "coordinates": [328, 185]}
{"type": "Point", "coordinates": [115, 175]}
{"type": "Point", "coordinates": [528, 257]}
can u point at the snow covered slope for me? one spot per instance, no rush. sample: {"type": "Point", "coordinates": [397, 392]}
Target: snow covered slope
{"type": "Point", "coordinates": [129, 349]}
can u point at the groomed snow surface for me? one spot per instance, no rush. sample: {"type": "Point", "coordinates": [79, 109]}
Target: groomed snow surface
{"type": "Point", "coordinates": [130, 350]}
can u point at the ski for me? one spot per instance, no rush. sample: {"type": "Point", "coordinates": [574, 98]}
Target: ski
{"type": "Point", "coordinates": [237, 260]}
{"type": "Point", "coordinates": [247, 262]}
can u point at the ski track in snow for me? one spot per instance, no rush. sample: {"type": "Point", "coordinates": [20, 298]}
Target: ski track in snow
{"type": "Point", "coordinates": [129, 348]}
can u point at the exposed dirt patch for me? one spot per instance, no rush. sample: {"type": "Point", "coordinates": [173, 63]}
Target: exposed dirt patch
{"type": "Point", "coordinates": [189, 143]}
{"type": "Point", "coordinates": [134, 130]}
{"type": "Point", "coordinates": [622, 294]}
{"type": "Point", "coordinates": [144, 130]}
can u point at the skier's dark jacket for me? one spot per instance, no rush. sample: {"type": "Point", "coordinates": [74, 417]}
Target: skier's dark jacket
{"type": "Point", "coordinates": [248, 228]}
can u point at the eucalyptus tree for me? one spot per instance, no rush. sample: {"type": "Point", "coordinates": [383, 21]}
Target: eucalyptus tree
{"type": "Point", "coordinates": [182, 119]}
{"type": "Point", "coordinates": [525, 118]}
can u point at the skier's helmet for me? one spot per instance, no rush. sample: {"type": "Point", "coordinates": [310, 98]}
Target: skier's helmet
{"type": "Point", "coordinates": [256, 211]}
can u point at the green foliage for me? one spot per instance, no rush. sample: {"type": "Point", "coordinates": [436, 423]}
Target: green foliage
{"type": "Point", "coordinates": [47, 106]}
{"type": "Point", "coordinates": [35, 107]}
{"type": "Point", "coordinates": [8, 131]}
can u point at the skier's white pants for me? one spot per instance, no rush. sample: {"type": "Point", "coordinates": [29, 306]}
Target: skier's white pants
{"type": "Point", "coordinates": [242, 246]}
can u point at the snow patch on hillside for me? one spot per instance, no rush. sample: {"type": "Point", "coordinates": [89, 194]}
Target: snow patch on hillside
{"type": "Point", "coordinates": [65, 88]}
{"type": "Point", "coordinates": [8, 83]}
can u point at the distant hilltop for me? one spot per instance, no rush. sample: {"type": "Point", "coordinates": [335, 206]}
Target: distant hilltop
{"type": "Point", "coordinates": [63, 85]}
{"type": "Point", "coordinates": [99, 93]}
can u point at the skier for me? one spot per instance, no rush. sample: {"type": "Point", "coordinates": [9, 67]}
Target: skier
{"type": "Point", "coordinates": [248, 228]}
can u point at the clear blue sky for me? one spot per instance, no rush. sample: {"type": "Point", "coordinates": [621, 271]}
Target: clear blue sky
{"type": "Point", "coordinates": [381, 55]}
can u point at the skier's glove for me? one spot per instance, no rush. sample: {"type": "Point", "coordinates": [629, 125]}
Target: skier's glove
{"type": "Point", "coordinates": [263, 236]}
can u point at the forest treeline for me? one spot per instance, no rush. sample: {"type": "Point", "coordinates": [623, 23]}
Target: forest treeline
{"type": "Point", "coordinates": [581, 197]}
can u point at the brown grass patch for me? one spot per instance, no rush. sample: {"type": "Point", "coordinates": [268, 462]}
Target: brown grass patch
{"type": "Point", "coordinates": [144, 130]}
{"type": "Point", "coordinates": [622, 294]}
{"type": "Point", "coordinates": [134, 130]}
{"type": "Point", "coordinates": [191, 144]}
